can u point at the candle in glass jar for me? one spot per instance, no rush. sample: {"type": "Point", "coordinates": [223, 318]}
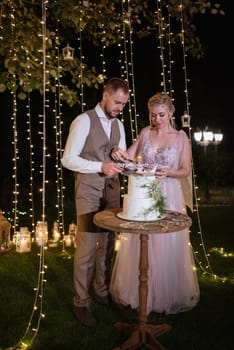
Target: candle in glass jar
{"type": "Point", "coordinates": [23, 242]}
{"type": "Point", "coordinates": [68, 240]}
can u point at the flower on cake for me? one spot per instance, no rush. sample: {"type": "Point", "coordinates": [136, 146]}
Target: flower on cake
{"type": "Point", "coordinates": [155, 193]}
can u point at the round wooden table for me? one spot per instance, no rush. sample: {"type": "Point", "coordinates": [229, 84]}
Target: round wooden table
{"type": "Point", "coordinates": [142, 332]}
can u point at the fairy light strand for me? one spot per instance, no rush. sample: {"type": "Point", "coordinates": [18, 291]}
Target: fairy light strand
{"type": "Point", "coordinates": [37, 314]}
{"type": "Point", "coordinates": [161, 30]}
{"type": "Point", "coordinates": [58, 144]}
{"type": "Point", "coordinates": [129, 67]}
{"type": "Point", "coordinates": [170, 64]}
{"type": "Point", "coordinates": [31, 166]}
{"type": "Point", "coordinates": [15, 166]}
{"type": "Point", "coordinates": [207, 268]}
{"type": "Point", "coordinates": [127, 72]}
{"type": "Point", "coordinates": [103, 77]}
{"type": "Point", "coordinates": [15, 138]}
{"type": "Point", "coordinates": [43, 116]}
{"type": "Point", "coordinates": [165, 36]}
{"type": "Point", "coordinates": [59, 149]}
{"type": "Point", "coordinates": [80, 48]}
{"type": "Point", "coordinates": [130, 71]}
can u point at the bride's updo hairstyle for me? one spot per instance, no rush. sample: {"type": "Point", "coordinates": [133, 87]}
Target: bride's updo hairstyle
{"type": "Point", "coordinates": [163, 99]}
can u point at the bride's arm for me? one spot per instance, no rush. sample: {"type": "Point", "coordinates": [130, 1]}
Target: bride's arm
{"type": "Point", "coordinates": [135, 150]}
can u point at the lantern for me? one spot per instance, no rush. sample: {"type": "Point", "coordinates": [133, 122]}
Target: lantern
{"type": "Point", "coordinates": [68, 53]}
{"type": "Point", "coordinates": [5, 228]}
{"type": "Point", "coordinates": [41, 233]}
{"type": "Point", "coordinates": [23, 240]}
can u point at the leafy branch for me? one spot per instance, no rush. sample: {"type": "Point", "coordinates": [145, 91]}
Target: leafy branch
{"type": "Point", "coordinates": [98, 23]}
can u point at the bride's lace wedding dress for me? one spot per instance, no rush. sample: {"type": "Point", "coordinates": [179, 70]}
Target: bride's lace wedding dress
{"type": "Point", "coordinates": [172, 278]}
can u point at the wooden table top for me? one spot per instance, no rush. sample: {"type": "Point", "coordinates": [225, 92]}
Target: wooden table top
{"type": "Point", "coordinates": [173, 221]}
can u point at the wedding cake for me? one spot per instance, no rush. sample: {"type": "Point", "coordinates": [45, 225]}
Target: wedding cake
{"type": "Point", "coordinates": [143, 201]}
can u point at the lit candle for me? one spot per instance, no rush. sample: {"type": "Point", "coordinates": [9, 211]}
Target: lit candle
{"type": "Point", "coordinates": [41, 232]}
{"type": "Point", "coordinates": [23, 242]}
{"type": "Point", "coordinates": [56, 233]}
{"type": "Point", "coordinates": [68, 240]}
{"type": "Point", "coordinates": [56, 236]}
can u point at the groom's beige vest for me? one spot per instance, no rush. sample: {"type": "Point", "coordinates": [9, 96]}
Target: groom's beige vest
{"type": "Point", "coordinates": [97, 147]}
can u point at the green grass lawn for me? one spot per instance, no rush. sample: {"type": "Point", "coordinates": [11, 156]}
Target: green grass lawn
{"type": "Point", "coordinates": [209, 326]}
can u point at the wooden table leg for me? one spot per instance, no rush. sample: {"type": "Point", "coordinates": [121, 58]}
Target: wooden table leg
{"type": "Point", "coordinates": [143, 332]}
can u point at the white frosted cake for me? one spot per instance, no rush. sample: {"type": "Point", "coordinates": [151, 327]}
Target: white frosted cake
{"type": "Point", "coordinates": [144, 201]}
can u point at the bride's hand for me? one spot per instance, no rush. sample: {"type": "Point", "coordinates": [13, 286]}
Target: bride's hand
{"type": "Point", "coordinates": [161, 173]}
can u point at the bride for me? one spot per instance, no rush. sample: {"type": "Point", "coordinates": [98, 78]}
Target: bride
{"type": "Point", "coordinates": [172, 278]}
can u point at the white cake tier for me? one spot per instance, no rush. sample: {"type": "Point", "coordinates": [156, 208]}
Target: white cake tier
{"type": "Point", "coordinates": [140, 203]}
{"type": "Point", "coordinates": [139, 209]}
{"type": "Point", "coordinates": [137, 186]}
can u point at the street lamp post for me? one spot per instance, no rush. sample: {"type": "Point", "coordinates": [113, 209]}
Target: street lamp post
{"type": "Point", "coordinates": [205, 138]}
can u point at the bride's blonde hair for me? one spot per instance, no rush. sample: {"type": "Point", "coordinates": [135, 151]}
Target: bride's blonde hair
{"type": "Point", "coordinates": [162, 99]}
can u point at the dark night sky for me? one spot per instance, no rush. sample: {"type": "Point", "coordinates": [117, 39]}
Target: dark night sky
{"type": "Point", "coordinates": [210, 89]}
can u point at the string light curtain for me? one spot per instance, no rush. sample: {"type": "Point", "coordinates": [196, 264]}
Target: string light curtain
{"type": "Point", "coordinates": [81, 57]}
{"type": "Point", "coordinates": [127, 65]}
{"type": "Point", "coordinates": [201, 257]}
{"type": "Point", "coordinates": [15, 132]}
{"type": "Point", "coordinates": [31, 166]}
{"type": "Point", "coordinates": [167, 62]}
{"type": "Point", "coordinates": [37, 313]}
{"type": "Point", "coordinates": [58, 127]}
{"type": "Point", "coordinates": [162, 40]}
